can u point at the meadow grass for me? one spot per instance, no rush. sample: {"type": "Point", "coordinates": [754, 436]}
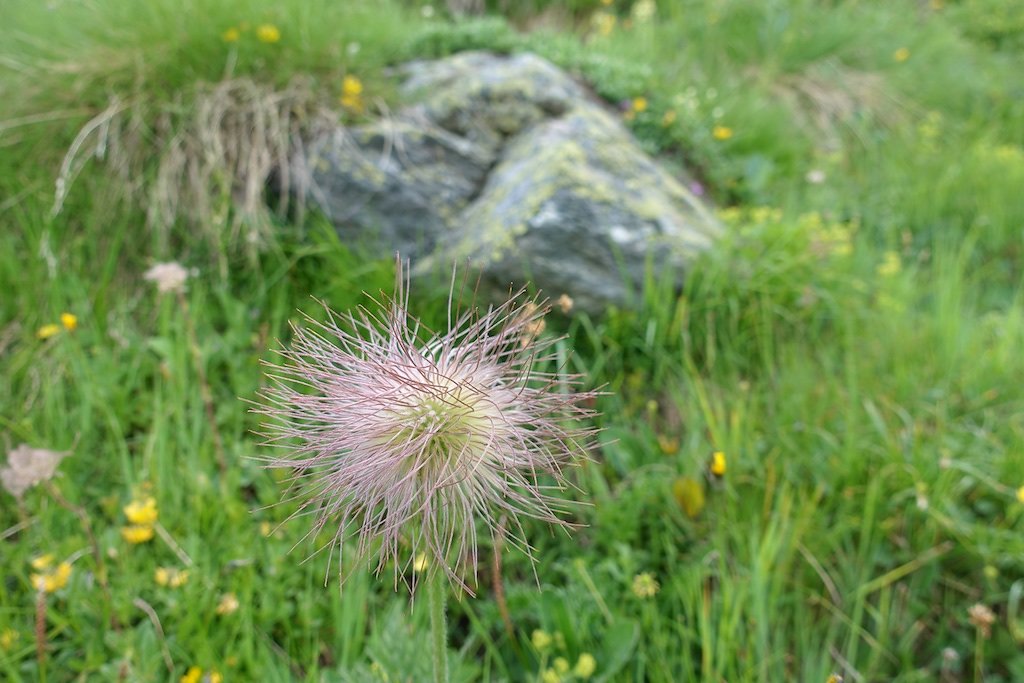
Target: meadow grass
{"type": "Point", "coordinates": [852, 347]}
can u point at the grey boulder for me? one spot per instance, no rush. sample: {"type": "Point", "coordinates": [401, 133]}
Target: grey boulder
{"type": "Point", "coordinates": [507, 162]}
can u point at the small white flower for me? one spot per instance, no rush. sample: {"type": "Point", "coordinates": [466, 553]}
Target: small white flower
{"type": "Point", "coordinates": [169, 277]}
{"type": "Point", "coordinates": [815, 176]}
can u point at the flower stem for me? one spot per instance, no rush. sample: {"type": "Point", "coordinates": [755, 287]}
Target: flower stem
{"type": "Point", "coordinates": [437, 596]}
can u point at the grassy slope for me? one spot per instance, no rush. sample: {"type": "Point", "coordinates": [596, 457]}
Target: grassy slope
{"type": "Point", "coordinates": [872, 423]}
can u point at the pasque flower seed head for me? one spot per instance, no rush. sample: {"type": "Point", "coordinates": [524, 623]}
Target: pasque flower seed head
{"type": "Point", "coordinates": [400, 436]}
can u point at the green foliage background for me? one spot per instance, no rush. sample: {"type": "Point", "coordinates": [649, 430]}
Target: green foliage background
{"type": "Point", "coordinates": [853, 346]}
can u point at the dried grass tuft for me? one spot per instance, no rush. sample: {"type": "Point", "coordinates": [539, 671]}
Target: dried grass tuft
{"type": "Point", "coordinates": [830, 95]}
{"type": "Point", "coordinates": [206, 159]}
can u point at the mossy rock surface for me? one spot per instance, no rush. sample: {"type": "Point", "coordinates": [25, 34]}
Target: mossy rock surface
{"type": "Point", "coordinates": [507, 161]}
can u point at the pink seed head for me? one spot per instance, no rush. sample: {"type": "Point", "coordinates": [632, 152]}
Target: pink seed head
{"type": "Point", "coordinates": [412, 439]}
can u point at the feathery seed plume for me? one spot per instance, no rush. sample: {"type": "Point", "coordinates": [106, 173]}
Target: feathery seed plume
{"type": "Point", "coordinates": [402, 436]}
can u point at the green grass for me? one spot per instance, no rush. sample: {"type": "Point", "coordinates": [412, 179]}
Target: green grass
{"type": "Point", "coordinates": [872, 419]}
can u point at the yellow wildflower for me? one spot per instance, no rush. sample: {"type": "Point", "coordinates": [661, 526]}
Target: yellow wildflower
{"type": "Point", "coordinates": [901, 55]}
{"type": "Point", "coordinates": [561, 665]}
{"type": "Point", "coordinates": [645, 586]}
{"type": "Point", "coordinates": [228, 604]}
{"type": "Point", "coordinates": [550, 676]}
{"type": "Point", "coordinates": [669, 118]}
{"type": "Point", "coordinates": [54, 580]}
{"type": "Point", "coordinates": [585, 667]}
{"type": "Point", "coordinates": [604, 23]}
{"type": "Point", "coordinates": [420, 563]}
{"type": "Point", "coordinates": [718, 463]}
{"type": "Point", "coordinates": [266, 528]}
{"type": "Point", "coordinates": [7, 638]}
{"type": "Point", "coordinates": [195, 675]}
{"type": "Point", "coordinates": [1020, 495]}
{"type": "Point", "coordinates": [541, 639]}
{"type": "Point", "coordinates": [42, 562]}
{"type": "Point", "coordinates": [47, 331]}
{"type": "Point", "coordinates": [69, 321]}
{"type": "Point", "coordinates": [268, 33]}
{"type": "Point", "coordinates": [136, 534]}
{"type": "Point", "coordinates": [60, 576]}
{"type": "Point", "coordinates": [170, 577]}
{"type": "Point", "coordinates": [231, 35]}
{"type": "Point", "coordinates": [639, 104]}
{"type": "Point", "coordinates": [142, 512]}
{"type": "Point", "coordinates": [890, 264]}
{"type": "Point", "coordinates": [834, 678]}
{"type": "Point", "coordinates": [721, 132]}
{"type": "Point", "coordinates": [351, 86]}
{"type": "Point", "coordinates": [352, 94]}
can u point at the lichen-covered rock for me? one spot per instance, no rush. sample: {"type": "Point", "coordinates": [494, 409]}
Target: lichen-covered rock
{"type": "Point", "coordinates": [395, 184]}
{"type": "Point", "coordinates": [578, 208]}
{"type": "Point", "coordinates": [504, 160]}
{"type": "Point", "coordinates": [489, 99]}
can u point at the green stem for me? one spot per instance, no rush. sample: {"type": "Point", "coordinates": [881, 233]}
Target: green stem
{"type": "Point", "coordinates": [979, 656]}
{"type": "Point", "coordinates": [437, 596]}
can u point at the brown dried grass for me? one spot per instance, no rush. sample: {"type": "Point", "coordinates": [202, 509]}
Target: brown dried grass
{"type": "Point", "coordinates": [205, 160]}
{"type": "Point", "coordinates": [830, 96]}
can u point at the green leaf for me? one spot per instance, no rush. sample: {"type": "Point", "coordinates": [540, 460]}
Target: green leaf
{"type": "Point", "coordinates": [619, 642]}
